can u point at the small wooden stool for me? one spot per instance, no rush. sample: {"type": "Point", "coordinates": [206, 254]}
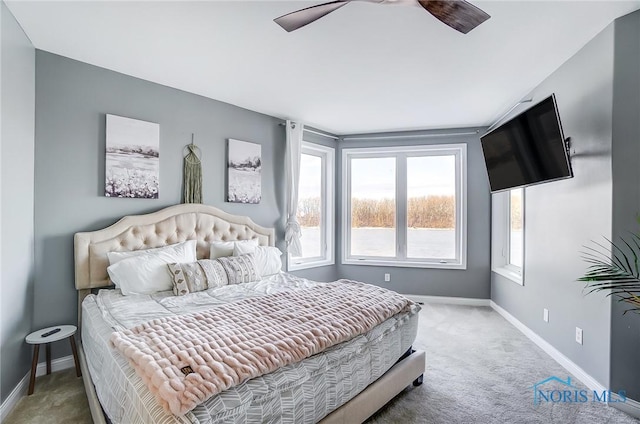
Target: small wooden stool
{"type": "Point", "coordinates": [36, 338]}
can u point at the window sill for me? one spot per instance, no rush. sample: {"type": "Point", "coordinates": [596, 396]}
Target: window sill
{"type": "Point", "coordinates": [404, 264]}
{"type": "Point", "coordinates": [516, 277]}
{"type": "Point", "coordinates": [291, 266]}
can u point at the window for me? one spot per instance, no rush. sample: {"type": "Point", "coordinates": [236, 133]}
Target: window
{"type": "Point", "coordinates": [373, 207]}
{"type": "Point", "coordinates": [315, 207]}
{"type": "Point", "coordinates": [405, 206]}
{"type": "Point", "coordinates": [507, 238]}
{"type": "Point", "coordinates": [516, 245]}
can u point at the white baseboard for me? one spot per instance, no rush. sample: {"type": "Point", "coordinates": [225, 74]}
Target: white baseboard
{"type": "Point", "coordinates": [467, 301]}
{"type": "Point", "coordinates": [630, 406]}
{"type": "Point", "coordinates": [567, 363]}
{"type": "Point", "coordinates": [12, 400]}
{"type": "Point", "coordinates": [21, 388]}
{"type": "Point", "coordinates": [56, 365]}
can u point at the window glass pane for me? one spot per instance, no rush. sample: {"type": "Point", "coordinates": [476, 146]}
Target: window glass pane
{"type": "Point", "coordinates": [310, 208]}
{"type": "Point", "coordinates": [515, 228]}
{"type": "Point", "coordinates": [373, 207]}
{"type": "Point", "coordinates": [431, 208]}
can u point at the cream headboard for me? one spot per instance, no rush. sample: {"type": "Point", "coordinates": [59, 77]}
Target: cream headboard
{"type": "Point", "coordinates": [166, 226]}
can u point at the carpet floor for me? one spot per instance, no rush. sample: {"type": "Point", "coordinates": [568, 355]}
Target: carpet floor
{"type": "Point", "coordinates": [57, 398]}
{"type": "Point", "coordinates": [480, 369]}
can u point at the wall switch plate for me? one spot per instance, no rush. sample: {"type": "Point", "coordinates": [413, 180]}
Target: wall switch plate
{"type": "Point", "coordinates": [545, 315]}
{"type": "Point", "coordinates": [578, 335]}
{"type": "Point", "coordinates": [387, 277]}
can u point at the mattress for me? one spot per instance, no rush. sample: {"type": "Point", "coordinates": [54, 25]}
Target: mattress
{"type": "Point", "coordinates": [303, 392]}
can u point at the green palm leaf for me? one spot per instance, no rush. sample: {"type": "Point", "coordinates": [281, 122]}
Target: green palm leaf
{"type": "Point", "coordinates": [614, 268]}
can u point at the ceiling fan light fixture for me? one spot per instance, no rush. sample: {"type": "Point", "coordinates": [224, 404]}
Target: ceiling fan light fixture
{"type": "Point", "coordinates": [299, 18]}
{"type": "Point", "coordinates": [458, 14]}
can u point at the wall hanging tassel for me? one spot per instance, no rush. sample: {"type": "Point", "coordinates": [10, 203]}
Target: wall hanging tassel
{"type": "Point", "coordinates": [192, 175]}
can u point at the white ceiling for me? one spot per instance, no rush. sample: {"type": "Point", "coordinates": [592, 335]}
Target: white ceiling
{"type": "Point", "coordinates": [364, 68]}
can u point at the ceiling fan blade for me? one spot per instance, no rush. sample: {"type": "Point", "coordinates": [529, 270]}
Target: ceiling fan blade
{"type": "Point", "coordinates": [298, 19]}
{"type": "Point", "coordinates": [458, 14]}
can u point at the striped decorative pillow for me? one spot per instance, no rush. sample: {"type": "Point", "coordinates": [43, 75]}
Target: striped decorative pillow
{"type": "Point", "coordinates": [240, 269]}
{"type": "Point", "coordinates": [197, 276]}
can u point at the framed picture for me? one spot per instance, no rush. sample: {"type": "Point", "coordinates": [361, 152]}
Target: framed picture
{"type": "Point", "coordinates": [132, 160]}
{"type": "Point", "coordinates": [244, 166]}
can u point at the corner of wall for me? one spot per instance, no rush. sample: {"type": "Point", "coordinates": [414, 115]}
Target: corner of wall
{"type": "Point", "coordinates": [16, 199]}
{"type": "Point", "coordinates": [625, 328]}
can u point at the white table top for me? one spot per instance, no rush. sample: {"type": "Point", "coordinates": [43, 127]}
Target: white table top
{"type": "Point", "coordinates": [65, 331]}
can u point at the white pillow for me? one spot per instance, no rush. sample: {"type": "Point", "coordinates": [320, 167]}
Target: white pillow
{"type": "Point", "coordinates": [142, 274]}
{"type": "Point", "coordinates": [267, 258]}
{"type": "Point", "coordinates": [221, 249]}
{"type": "Point", "coordinates": [145, 271]}
{"type": "Point", "coordinates": [186, 249]}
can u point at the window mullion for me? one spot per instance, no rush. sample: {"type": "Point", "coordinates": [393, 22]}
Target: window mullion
{"type": "Point", "coordinates": [401, 206]}
{"type": "Point", "coordinates": [323, 201]}
{"type": "Point", "coordinates": [347, 203]}
{"type": "Point", "coordinates": [507, 235]}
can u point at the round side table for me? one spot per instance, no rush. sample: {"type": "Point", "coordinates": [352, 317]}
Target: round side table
{"type": "Point", "coordinates": [36, 338]}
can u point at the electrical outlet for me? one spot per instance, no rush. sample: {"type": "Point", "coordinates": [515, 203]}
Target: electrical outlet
{"type": "Point", "coordinates": [545, 315]}
{"type": "Point", "coordinates": [387, 277]}
{"type": "Point", "coordinates": [578, 335]}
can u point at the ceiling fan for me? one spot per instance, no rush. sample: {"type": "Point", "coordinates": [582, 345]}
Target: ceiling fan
{"type": "Point", "coordinates": [458, 14]}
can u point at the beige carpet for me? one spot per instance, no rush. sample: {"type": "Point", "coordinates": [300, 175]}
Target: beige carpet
{"type": "Point", "coordinates": [57, 398]}
{"type": "Point", "coordinates": [480, 369]}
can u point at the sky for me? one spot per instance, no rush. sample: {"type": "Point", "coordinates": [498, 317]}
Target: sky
{"type": "Point", "coordinates": [374, 178]}
{"type": "Point", "coordinates": [123, 131]}
{"type": "Point", "coordinates": [241, 150]}
{"type": "Point", "coordinates": [310, 176]}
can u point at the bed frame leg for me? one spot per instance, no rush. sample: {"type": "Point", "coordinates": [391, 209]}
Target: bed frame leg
{"type": "Point", "coordinates": [418, 381]}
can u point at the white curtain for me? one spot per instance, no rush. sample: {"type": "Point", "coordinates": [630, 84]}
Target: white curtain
{"type": "Point", "coordinates": [293, 232]}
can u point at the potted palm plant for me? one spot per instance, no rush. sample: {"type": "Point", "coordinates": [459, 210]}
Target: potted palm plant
{"type": "Point", "coordinates": [615, 267]}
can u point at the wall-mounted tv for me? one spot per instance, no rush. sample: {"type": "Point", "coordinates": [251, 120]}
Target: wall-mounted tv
{"type": "Point", "coordinates": [528, 149]}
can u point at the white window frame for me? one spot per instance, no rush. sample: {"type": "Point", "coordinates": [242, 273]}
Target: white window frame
{"type": "Point", "coordinates": [459, 150]}
{"type": "Point", "coordinates": [500, 237]}
{"type": "Point", "coordinates": [327, 224]}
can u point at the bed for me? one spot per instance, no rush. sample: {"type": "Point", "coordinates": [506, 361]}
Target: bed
{"type": "Point", "coordinates": [345, 383]}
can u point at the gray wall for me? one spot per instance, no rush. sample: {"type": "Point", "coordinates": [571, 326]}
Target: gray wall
{"type": "Point", "coordinates": [563, 216]}
{"type": "Point", "coordinates": [16, 200]}
{"type": "Point", "coordinates": [72, 99]}
{"type": "Point", "coordinates": [625, 329]}
{"type": "Point", "coordinates": [474, 282]}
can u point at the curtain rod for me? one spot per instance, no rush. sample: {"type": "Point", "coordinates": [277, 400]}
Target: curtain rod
{"type": "Point", "coordinates": [380, 137]}
{"type": "Point", "coordinates": [495, 124]}
{"type": "Point", "coordinates": [322, 134]}
{"type": "Point", "coordinates": [314, 132]}
{"type": "Point", "coordinates": [387, 137]}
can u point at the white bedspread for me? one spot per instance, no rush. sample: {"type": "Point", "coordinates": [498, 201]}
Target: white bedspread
{"type": "Point", "coordinates": [186, 359]}
{"type": "Point", "coordinates": [124, 312]}
{"type": "Point", "coordinates": [300, 393]}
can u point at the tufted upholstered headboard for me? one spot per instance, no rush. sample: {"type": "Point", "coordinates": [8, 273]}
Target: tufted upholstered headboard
{"type": "Point", "coordinates": [166, 226]}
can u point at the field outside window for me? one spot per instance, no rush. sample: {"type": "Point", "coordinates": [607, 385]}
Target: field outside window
{"type": "Point", "coordinates": [373, 207]}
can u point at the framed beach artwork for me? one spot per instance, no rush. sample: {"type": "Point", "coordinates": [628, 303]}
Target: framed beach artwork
{"type": "Point", "coordinates": [244, 166]}
{"type": "Point", "coordinates": [132, 160]}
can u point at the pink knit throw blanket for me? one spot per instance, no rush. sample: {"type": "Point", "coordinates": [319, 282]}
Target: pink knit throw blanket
{"type": "Point", "coordinates": [186, 359]}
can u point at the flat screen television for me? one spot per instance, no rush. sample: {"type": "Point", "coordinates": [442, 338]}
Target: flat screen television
{"type": "Point", "coordinates": [528, 149]}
